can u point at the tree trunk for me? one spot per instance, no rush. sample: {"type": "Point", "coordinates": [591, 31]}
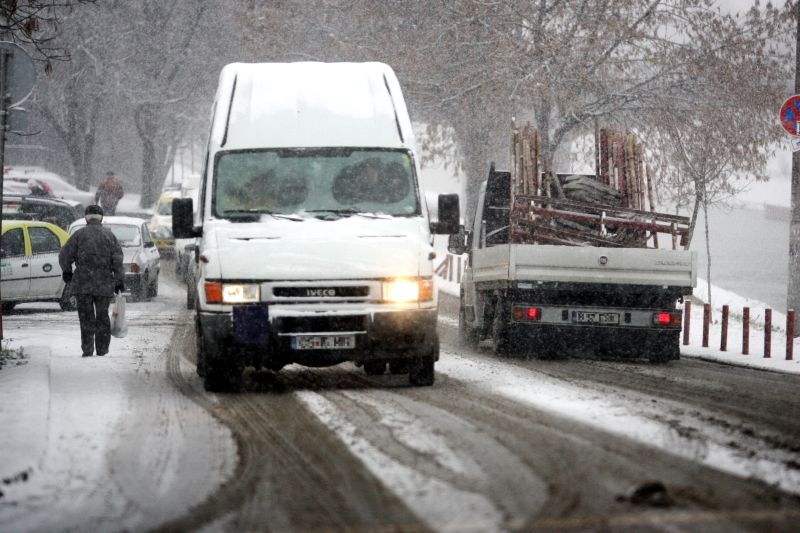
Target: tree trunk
{"type": "Point", "coordinates": [693, 219]}
{"type": "Point", "coordinates": [708, 247]}
{"type": "Point", "coordinates": [149, 170]}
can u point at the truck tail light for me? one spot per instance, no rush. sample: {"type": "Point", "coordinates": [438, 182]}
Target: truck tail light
{"type": "Point", "coordinates": [213, 292]}
{"type": "Point", "coordinates": [134, 268]}
{"type": "Point", "coordinates": [527, 313]}
{"type": "Point", "coordinates": [667, 319]}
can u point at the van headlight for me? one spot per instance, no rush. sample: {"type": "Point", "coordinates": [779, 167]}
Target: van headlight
{"type": "Point", "coordinates": [240, 293]}
{"type": "Point", "coordinates": [408, 290]}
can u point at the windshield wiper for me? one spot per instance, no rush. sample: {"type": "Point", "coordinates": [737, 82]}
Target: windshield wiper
{"type": "Point", "coordinates": [344, 211]}
{"type": "Point", "coordinates": [251, 215]}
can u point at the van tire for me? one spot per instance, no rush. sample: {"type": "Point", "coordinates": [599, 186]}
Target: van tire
{"type": "Point", "coordinates": [221, 372]}
{"type": "Point", "coordinates": [421, 369]}
{"type": "Point", "coordinates": [374, 368]}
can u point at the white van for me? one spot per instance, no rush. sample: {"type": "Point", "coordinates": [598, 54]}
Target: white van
{"type": "Point", "coordinates": [314, 238]}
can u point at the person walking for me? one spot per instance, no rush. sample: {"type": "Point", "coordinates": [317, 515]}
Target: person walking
{"type": "Point", "coordinates": [109, 193]}
{"type": "Point", "coordinates": [97, 256]}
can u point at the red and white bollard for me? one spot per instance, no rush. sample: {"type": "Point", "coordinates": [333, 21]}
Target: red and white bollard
{"type": "Point", "coordinates": [789, 334]}
{"type": "Point", "coordinates": [746, 331]}
{"type": "Point", "coordinates": [687, 321]}
{"type": "Point", "coordinates": [706, 323]}
{"type": "Point", "coordinates": [767, 333]}
{"type": "Point", "coordinates": [723, 340]}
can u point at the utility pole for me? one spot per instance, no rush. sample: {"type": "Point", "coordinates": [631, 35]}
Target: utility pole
{"type": "Point", "coordinates": [793, 296]}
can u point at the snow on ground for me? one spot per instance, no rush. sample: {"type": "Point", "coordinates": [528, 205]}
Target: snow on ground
{"type": "Point", "coordinates": [631, 415]}
{"type": "Point", "coordinates": [97, 443]}
{"type": "Point", "coordinates": [443, 505]}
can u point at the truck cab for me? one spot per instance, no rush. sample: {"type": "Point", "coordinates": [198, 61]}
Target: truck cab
{"type": "Point", "coordinates": [313, 240]}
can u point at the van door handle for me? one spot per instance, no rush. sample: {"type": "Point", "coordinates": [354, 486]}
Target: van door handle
{"type": "Point", "coordinates": [24, 264]}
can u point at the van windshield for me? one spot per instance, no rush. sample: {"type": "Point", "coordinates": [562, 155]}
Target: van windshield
{"type": "Point", "coordinates": [337, 181]}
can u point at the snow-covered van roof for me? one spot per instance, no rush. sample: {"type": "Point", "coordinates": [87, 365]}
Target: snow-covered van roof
{"type": "Point", "coordinates": [307, 104]}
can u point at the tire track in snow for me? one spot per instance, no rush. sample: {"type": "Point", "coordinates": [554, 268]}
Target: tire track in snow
{"type": "Point", "coordinates": [292, 473]}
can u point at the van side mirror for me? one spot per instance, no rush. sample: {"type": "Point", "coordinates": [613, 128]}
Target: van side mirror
{"type": "Point", "coordinates": [457, 242]}
{"type": "Point", "coordinates": [183, 219]}
{"type": "Point", "coordinates": [449, 214]}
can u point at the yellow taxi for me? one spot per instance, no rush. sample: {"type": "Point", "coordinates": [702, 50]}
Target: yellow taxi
{"type": "Point", "coordinates": [29, 269]}
{"type": "Point", "coordinates": [160, 224]}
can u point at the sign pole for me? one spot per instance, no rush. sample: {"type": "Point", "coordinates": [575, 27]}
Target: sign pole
{"type": "Point", "coordinates": [793, 290]}
{"type": "Point", "coordinates": [4, 98]}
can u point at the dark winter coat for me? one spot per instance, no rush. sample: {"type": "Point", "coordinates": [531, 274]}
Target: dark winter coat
{"type": "Point", "coordinates": [98, 260]}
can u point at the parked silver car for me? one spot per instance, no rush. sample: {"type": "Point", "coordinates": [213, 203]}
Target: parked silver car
{"type": "Point", "coordinates": [141, 262]}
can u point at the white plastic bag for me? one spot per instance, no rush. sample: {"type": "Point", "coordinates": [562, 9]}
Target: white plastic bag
{"type": "Point", "coordinates": [119, 325]}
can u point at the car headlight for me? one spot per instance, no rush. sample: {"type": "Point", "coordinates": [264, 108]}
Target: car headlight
{"type": "Point", "coordinates": [239, 294]}
{"type": "Point", "coordinates": [408, 290]}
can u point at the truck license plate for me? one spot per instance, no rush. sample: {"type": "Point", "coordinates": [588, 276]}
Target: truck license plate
{"type": "Point", "coordinates": [324, 342]}
{"type": "Point", "coordinates": [592, 317]}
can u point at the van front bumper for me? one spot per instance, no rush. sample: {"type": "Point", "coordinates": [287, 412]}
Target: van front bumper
{"type": "Point", "coordinates": [378, 335]}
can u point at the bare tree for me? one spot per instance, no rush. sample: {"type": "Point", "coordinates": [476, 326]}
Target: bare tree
{"type": "Point", "coordinates": [35, 23]}
{"type": "Point", "coordinates": [171, 53]}
{"type": "Point", "coordinates": [73, 96]}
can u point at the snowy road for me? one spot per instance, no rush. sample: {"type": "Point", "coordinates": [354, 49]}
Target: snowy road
{"type": "Point", "coordinates": [496, 444]}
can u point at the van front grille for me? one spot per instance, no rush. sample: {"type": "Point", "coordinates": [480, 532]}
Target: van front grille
{"type": "Point", "coordinates": [321, 292]}
{"type": "Point", "coordinates": [312, 324]}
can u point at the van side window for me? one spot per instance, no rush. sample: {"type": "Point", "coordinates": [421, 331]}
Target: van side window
{"type": "Point", "coordinates": [12, 243]}
{"type": "Point", "coordinates": [43, 241]}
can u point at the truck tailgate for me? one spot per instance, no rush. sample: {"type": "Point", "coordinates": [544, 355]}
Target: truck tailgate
{"type": "Point", "coordinates": [576, 264]}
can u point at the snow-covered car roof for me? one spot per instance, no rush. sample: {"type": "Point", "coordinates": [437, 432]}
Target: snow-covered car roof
{"type": "Point", "coordinates": [309, 104]}
{"type": "Point", "coordinates": [131, 221]}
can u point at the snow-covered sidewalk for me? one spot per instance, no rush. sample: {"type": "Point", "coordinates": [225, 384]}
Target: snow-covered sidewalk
{"type": "Point", "coordinates": [100, 443]}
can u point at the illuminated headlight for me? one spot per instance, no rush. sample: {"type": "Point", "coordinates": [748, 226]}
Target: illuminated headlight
{"type": "Point", "coordinates": [408, 290]}
{"type": "Point", "coordinates": [239, 294]}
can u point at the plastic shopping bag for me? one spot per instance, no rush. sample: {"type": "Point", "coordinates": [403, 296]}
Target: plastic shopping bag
{"type": "Point", "coordinates": [119, 325]}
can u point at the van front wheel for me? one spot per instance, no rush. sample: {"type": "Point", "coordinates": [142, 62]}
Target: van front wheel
{"type": "Point", "coordinates": [421, 372]}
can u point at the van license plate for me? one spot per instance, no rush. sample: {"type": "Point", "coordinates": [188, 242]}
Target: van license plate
{"type": "Point", "coordinates": [324, 342]}
{"type": "Point", "coordinates": [591, 317]}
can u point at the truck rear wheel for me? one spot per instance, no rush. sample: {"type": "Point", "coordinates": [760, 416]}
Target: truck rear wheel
{"type": "Point", "coordinates": [501, 344]}
{"type": "Point", "coordinates": [664, 348]}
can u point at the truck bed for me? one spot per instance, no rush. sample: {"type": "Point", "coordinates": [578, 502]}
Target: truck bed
{"type": "Point", "coordinates": [568, 264]}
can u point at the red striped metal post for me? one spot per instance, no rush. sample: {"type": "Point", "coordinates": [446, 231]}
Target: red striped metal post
{"type": "Point", "coordinates": [767, 333]}
{"type": "Point", "coordinates": [687, 321]}
{"type": "Point", "coordinates": [723, 342]}
{"type": "Point", "coordinates": [706, 323]}
{"type": "Point", "coordinates": [746, 331]}
{"type": "Point", "coordinates": [789, 334]}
